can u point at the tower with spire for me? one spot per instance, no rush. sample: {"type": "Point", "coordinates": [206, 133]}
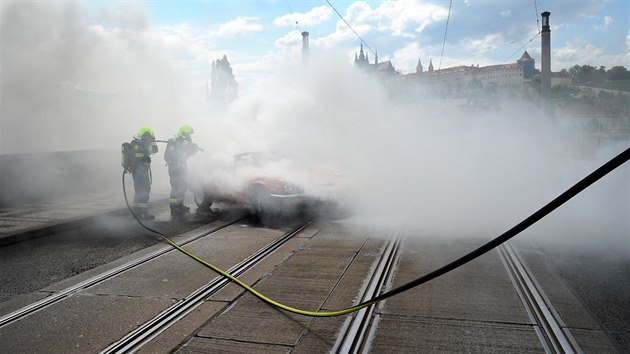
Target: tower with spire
{"type": "Point", "coordinates": [430, 64]}
{"type": "Point", "coordinates": [381, 69]}
{"type": "Point", "coordinates": [362, 60]}
{"type": "Point", "coordinates": [419, 67]}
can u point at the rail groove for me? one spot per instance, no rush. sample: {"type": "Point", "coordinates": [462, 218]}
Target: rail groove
{"type": "Point", "coordinates": [354, 333]}
{"type": "Point", "coordinates": [549, 327]}
{"type": "Point", "coordinates": [38, 305]}
{"type": "Point", "coordinates": [152, 328]}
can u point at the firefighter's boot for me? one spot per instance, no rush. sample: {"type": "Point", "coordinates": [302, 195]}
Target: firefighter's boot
{"type": "Point", "coordinates": [178, 210]}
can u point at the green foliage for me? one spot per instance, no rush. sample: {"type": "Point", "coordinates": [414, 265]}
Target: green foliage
{"type": "Point", "coordinates": [618, 73]}
{"type": "Point", "coordinates": [589, 75]}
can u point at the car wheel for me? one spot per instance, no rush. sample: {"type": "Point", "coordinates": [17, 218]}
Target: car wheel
{"type": "Point", "coordinates": [261, 205]}
{"type": "Point", "coordinates": [260, 199]}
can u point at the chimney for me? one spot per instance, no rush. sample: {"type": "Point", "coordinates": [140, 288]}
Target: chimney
{"type": "Point", "coordinates": [545, 60]}
{"type": "Point", "coordinates": [305, 46]}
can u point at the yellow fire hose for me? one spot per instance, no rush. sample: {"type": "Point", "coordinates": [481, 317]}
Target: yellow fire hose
{"type": "Point", "coordinates": [532, 219]}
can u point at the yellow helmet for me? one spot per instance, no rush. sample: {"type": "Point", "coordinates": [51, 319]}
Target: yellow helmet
{"type": "Point", "coordinates": [145, 130]}
{"type": "Point", "coordinates": [185, 129]}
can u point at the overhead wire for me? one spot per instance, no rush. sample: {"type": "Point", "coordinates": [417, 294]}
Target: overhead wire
{"type": "Point", "coordinates": [517, 50]}
{"type": "Point", "coordinates": [297, 27]}
{"type": "Point", "coordinates": [445, 31]}
{"type": "Point", "coordinates": [526, 223]}
{"type": "Point", "coordinates": [352, 29]}
{"type": "Point", "coordinates": [531, 39]}
{"type": "Point", "coordinates": [536, 9]}
{"type": "Point", "coordinates": [521, 47]}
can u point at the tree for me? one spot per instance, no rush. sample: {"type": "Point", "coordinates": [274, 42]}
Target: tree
{"type": "Point", "coordinates": [618, 73]}
{"type": "Point", "coordinates": [600, 74]}
{"type": "Point", "coordinates": [573, 73]}
{"type": "Point", "coordinates": [587, 74]}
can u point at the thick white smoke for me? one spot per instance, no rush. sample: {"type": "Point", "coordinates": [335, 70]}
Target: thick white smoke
{"type": "Point", "coordinates": [69, 84]}
{"type": "Point", "coordinates": [441, 167]}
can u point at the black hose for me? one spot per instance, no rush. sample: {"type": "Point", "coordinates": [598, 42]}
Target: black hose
{"type": "Point", "coordinates": [532, 219]}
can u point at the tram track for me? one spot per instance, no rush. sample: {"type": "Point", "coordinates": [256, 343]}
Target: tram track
{"type": "Point", "coordinates": [65, 293]}
{"type": "Point", "coordinates": [355, 333]}
{"type": "Point", "coordinates": [553, 334]}
{"type": "Point", "coordinates": [146, 332]}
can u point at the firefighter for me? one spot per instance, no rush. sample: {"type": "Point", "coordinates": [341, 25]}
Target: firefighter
{"type": "Point", "coordinates": [143, 145]}
{"type": "Point", "coordinates": [178, 150]}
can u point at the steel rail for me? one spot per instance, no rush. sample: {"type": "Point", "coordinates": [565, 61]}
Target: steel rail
{"type": "Point", "coordinates": [152, 328]}
{"type": "Point", "coordinates": [38, 305]}
{"type": "Point", "coordinates": [354, 332]}
{"type": "Point", "coordinates": [551, 330]}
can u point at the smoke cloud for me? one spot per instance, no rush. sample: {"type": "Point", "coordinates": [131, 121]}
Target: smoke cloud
{"type": "Point", "coordinates": [68, 84]}
{"type": "Point", "coordinates": [442, 167]}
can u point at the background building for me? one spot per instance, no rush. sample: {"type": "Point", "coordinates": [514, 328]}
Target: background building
{"type": "Point", "coordinates": [383, 69]}
{"type": "Point", "coordinates": [223, 86]}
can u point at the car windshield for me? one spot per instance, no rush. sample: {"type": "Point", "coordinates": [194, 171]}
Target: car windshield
{"type": "Point", "coordinates": [255, 159]}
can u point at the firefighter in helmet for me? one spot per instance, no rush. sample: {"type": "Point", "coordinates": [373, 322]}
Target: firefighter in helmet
{"type": "Point", "coordinates": [178, 150]}
{"type": "Point", "coordinates": [143, 145]}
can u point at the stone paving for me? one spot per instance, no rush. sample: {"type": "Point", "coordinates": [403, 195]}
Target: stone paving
{"type": "Point", "coordinates": [28, 220]}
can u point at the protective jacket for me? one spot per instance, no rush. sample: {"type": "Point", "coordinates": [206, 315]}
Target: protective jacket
{"type": "Point", "coordinates": [142, 148]}
{"type": "Point", "coordinates": [178, 150]}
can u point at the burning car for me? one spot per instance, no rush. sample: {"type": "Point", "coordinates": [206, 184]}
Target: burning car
{"type": "Point", "coordinates": [270, 185]}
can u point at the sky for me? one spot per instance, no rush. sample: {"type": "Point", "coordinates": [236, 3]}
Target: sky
{"type": "Point", "coordinates": [65, 60]}
{"type": "Point", "coordinates": [255, 34]}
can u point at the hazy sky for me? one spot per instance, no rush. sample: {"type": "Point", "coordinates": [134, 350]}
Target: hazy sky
{"type": "Point", "coordinates": [81, 64]}
{"type": "Point", "coordinates": [255, 33]}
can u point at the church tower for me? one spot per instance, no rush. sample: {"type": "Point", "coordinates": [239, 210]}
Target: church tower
{"type": "Point", "coordinates": [362, 60]}
{"type": "Point", "coordinates": [419, 67]}
{"type": "Point", "coordinates": [430, 64]}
